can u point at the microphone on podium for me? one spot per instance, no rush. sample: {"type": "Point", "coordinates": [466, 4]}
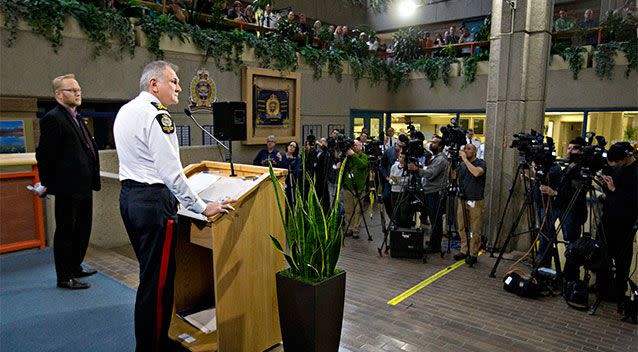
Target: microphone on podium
{"type": "Point", "coordinates": [190, 114]}
{"type": "Point", "coordinates": [230, 143]}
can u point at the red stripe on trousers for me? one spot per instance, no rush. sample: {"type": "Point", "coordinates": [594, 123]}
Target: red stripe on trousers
{"type": "Point", "coordinates": [166, 251]}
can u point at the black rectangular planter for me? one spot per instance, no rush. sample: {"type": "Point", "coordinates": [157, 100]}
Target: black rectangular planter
{"type": "Point", "coordinates": [311, 315]}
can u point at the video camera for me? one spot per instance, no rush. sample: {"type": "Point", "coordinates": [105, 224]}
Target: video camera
{"type": "Point", "coordinates": [531, 149]}
{"type": "Point", "coordinates": [340, 144]}
{"type": "Point", "coordinates": [453, 137]}
{"type": "Point", "coordinates": [413, 147]}
{"type": "Point", "coordinates": [373, 149]}
{"type": "Point", "coordinates": [593, 157]}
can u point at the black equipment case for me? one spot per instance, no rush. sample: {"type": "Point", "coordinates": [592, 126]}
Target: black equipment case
{"type": "Point", "coordinates": [406, 243]}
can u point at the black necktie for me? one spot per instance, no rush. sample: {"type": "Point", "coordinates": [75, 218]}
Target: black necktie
{"type": "Point", "coordinates": [267, 21]}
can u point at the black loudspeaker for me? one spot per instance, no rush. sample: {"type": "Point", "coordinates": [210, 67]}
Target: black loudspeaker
{"type": "Point", "coordinates": [406, 243]}
{"type": "Point", "coordinates": [229, 121]}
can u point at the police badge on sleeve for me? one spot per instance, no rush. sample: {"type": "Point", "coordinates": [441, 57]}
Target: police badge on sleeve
{"type": "Point", "coordinates": [166, 123]}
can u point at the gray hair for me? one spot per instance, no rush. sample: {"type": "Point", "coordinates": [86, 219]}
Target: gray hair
{"type": "Point", "coordinates": [154, 70]}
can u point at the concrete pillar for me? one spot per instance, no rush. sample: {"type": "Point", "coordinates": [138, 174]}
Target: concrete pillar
{"type": "Point", "coordinates": [519, 54]}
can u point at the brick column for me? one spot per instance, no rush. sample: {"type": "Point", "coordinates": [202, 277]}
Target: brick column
{"type": "Point", "coordinates": [519, 53]}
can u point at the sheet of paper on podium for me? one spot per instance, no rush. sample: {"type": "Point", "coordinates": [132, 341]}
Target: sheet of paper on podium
{"type": "Point", "coordinates": [212, 187]}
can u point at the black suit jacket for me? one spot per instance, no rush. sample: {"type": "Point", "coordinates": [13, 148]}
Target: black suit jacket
{"type": "Point", "coordinates": [66, 165]}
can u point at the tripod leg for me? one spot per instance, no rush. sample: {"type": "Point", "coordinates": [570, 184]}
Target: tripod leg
{"type": "Point", "coordinates": [507, 203]}
{"type": "Point", "coordinates": [507, 240]}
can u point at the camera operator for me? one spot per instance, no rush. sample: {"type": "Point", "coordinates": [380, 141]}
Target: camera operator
{"type": "Point", "coordinates": [547, 209]}
{"type": "Point", "coordinates": [388, 160]}
{"type": "Point", "coordinates": [356, 175]}
{"type": "Point", "coordinates": [572, 219]}
{"type": "Point", "coordinates": [398, 178]}
{"type": "Point", "coordinates": [434, 181]}
{"type": "Point", "coordinates": [471, 175]}
{"type": "Point", "coordinates": [620, 214]}
{"type": "Point", "coordinates": [324, 172]}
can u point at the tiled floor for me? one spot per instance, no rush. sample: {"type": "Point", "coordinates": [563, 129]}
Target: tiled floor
{"type": "Point", "coordinates": [462, 311]}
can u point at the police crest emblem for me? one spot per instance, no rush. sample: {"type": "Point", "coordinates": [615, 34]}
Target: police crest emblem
{"type": "Point", "coordinates": [203, 92]}
{"type": "Point", "coordinates": [166, 123]}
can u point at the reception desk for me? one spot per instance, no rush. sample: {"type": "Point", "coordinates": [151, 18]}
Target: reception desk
{"type": "Point", "coordinates": [22, 224]}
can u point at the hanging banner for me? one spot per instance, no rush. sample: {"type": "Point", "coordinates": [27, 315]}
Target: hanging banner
{"type": "Point", "coordinates": [271, 107]}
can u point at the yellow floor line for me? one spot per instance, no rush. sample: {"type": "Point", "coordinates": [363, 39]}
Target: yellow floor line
{"type": "Point", "coordinates": [398, 299]}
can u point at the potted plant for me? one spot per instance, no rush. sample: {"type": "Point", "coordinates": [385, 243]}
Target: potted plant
{"type": "Point", "coordinates": [311, 291]}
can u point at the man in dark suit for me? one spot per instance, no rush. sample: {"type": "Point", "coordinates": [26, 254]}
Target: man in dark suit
{"type": "Point", "coordinates": [69, 167]}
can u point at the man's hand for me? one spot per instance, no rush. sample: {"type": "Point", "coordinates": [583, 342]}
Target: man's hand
{"type": "Point", "coordinates": [453, 175]}
{"type": "Point", "coordinates": [412, 167]}
{"type": "Point", "coordinates": [213, 208]}
{"type": "Point", "coordinates": [349, 152]}
{"type": "Point", "coordinates": [609, 181]}
{"type": "Point", "coordinates": [547, 190]}
{"type": "Point", "coordinates": [279, 156]}
{"type": "Point", "coordinates": [463, 155]}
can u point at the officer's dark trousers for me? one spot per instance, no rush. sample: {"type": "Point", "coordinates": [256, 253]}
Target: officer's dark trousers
{"type": "Point", "coordinates": [149, 213]}
{"type": "Point", "coordinates": [73, 217]}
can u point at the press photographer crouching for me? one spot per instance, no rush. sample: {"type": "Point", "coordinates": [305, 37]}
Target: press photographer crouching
{"type": "Point", "coordinates": [435, 177]}
{"type": "Point", "coordinates": [620, 216]}
{"type": "Point", "coordinates": [471, 177]}
{"type": "Point", "coordinates": [354, 184]}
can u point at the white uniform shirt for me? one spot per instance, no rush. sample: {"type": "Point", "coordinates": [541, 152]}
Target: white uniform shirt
{"type": "Point", "coordinates": [149, 155]}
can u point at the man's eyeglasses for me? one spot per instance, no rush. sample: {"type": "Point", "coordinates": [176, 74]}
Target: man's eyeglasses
{"type": "Point", "coordinates": [74, 91]}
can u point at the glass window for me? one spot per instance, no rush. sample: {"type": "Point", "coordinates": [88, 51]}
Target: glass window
{"type": "Point", "coordinates": [428, 123]}
{"type": "Point", "coordinates": [614, 125]}
{"type": "Point", "coordinates": [183, 135]}
{"type": "Point", "coordinates": [357, 126]}
{"type": "Point", "coordinates": [475, 121]}
{"type": "Point", "coordinates": [563, 127]}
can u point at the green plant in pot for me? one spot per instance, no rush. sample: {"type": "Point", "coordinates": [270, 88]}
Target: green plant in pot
{"type": "Point", "coordinates": [311, 291]}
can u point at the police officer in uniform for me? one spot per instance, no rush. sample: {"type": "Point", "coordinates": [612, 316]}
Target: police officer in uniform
{"type": "Point", "coordinates": [153, 182]}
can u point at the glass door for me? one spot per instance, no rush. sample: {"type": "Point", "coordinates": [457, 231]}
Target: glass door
{"type": "Point", "coordinates": [369, 121]}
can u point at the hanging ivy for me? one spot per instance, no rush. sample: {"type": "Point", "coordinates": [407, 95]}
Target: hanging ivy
{"type": "Point", "coordinates": [395, 75]}
{"type": "Point", "coordinates": [274, 52]}
{"type": "Point", "coordinates": [604, 59]}
{"type": "Point", "coordinates": [316, 59]}
{"type": "Point", "coordinates": [430, 67]}
{"type": "Point", "coordinates": [630, 49]}
{"type": "Point", "coordinates": [154, 26]}
{"type": "Point", "coordinates": [335, 64]}
{"type": "Point", "coordinates": [470, 65]}
{"type": "Point", "coordinates": [224, 47]}
{"type": "Point", "coordinates": [574, 58]}
{"type": "Point", "coordinates": [445, 63]}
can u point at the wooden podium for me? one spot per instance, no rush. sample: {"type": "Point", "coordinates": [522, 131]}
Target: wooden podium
{"type": "Point", "coordinates": [230, 263]}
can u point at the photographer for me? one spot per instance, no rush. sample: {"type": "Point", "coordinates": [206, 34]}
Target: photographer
{"type": "Point", "coordinates": [434, 181]}
{"type": "Point", "coordinates": [356, 176]}
{"type": "Point", "coordinates": [398, 178]}
{"type": "Point", "coordinates": [572, 219]}
{"type": "Point", "coordinates": [620, 215]}
{"type": "Point", "coordinates": [471, 175]}
{"type": "Point", "coordinates": [388, 160]}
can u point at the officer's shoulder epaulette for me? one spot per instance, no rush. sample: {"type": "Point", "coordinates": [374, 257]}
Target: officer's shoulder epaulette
{"type": "Point", "coordinates": [165, 122]}
{"type": "Point", "coordinates": [159, 106]}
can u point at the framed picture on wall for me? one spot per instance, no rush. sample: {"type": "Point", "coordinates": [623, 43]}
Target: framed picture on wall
{"type": "Point", "coordinates": [272, 104]}
{"type": "Point", "coordinates": [308, 130]}
{"type": "Point", "coordinates": [12, 139]}
{"type": "Point", "coordinates": [340, 127]}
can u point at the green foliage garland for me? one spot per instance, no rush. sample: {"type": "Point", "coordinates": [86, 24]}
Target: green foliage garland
{"type": "Point", "coordinates": [154, 26]}
{"type": "Point", "coordinates": [604, 59]}
{"type": "Point", "coordinates": [274, 52]}
{"type": "Point", "coordinates": [316, 59]}
{"type": "Point", "coordinates": [574, 59]}
{"type": "Point", "coordinates": [335, 64]}
{"type": "Point", "coordinates": [224, 47]}
{"type": "Point", "coordinates": [430, 67]}
{"type": "Point", "coordinates": [630, 49]}
{"type": "Point", "coordinates": [408, 44]}
{"type": "Point", "coordinates": [395, 75]}
{"type": "Point", "coordinates": [445, 63]}
{"type": "Point", "coordinates": [470, 65]}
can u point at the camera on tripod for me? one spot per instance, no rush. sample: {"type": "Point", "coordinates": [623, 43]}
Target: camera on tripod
{"type": "Point", "coordinates": [373, 149]}
{"type": "Point", "coordinates": [593, 157]}
{"type": "Point", "coordinates": [453, 137]}
{"type": "Point", "coordinates": [413, 147]}
{"type": "Point", "coordinates": [341, 144]}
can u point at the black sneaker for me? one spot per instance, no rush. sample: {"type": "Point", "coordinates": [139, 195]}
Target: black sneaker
{"type": "Point", "coordinates": [471, 260]}
{"type": "Point", "coordinates": [460, 256]}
